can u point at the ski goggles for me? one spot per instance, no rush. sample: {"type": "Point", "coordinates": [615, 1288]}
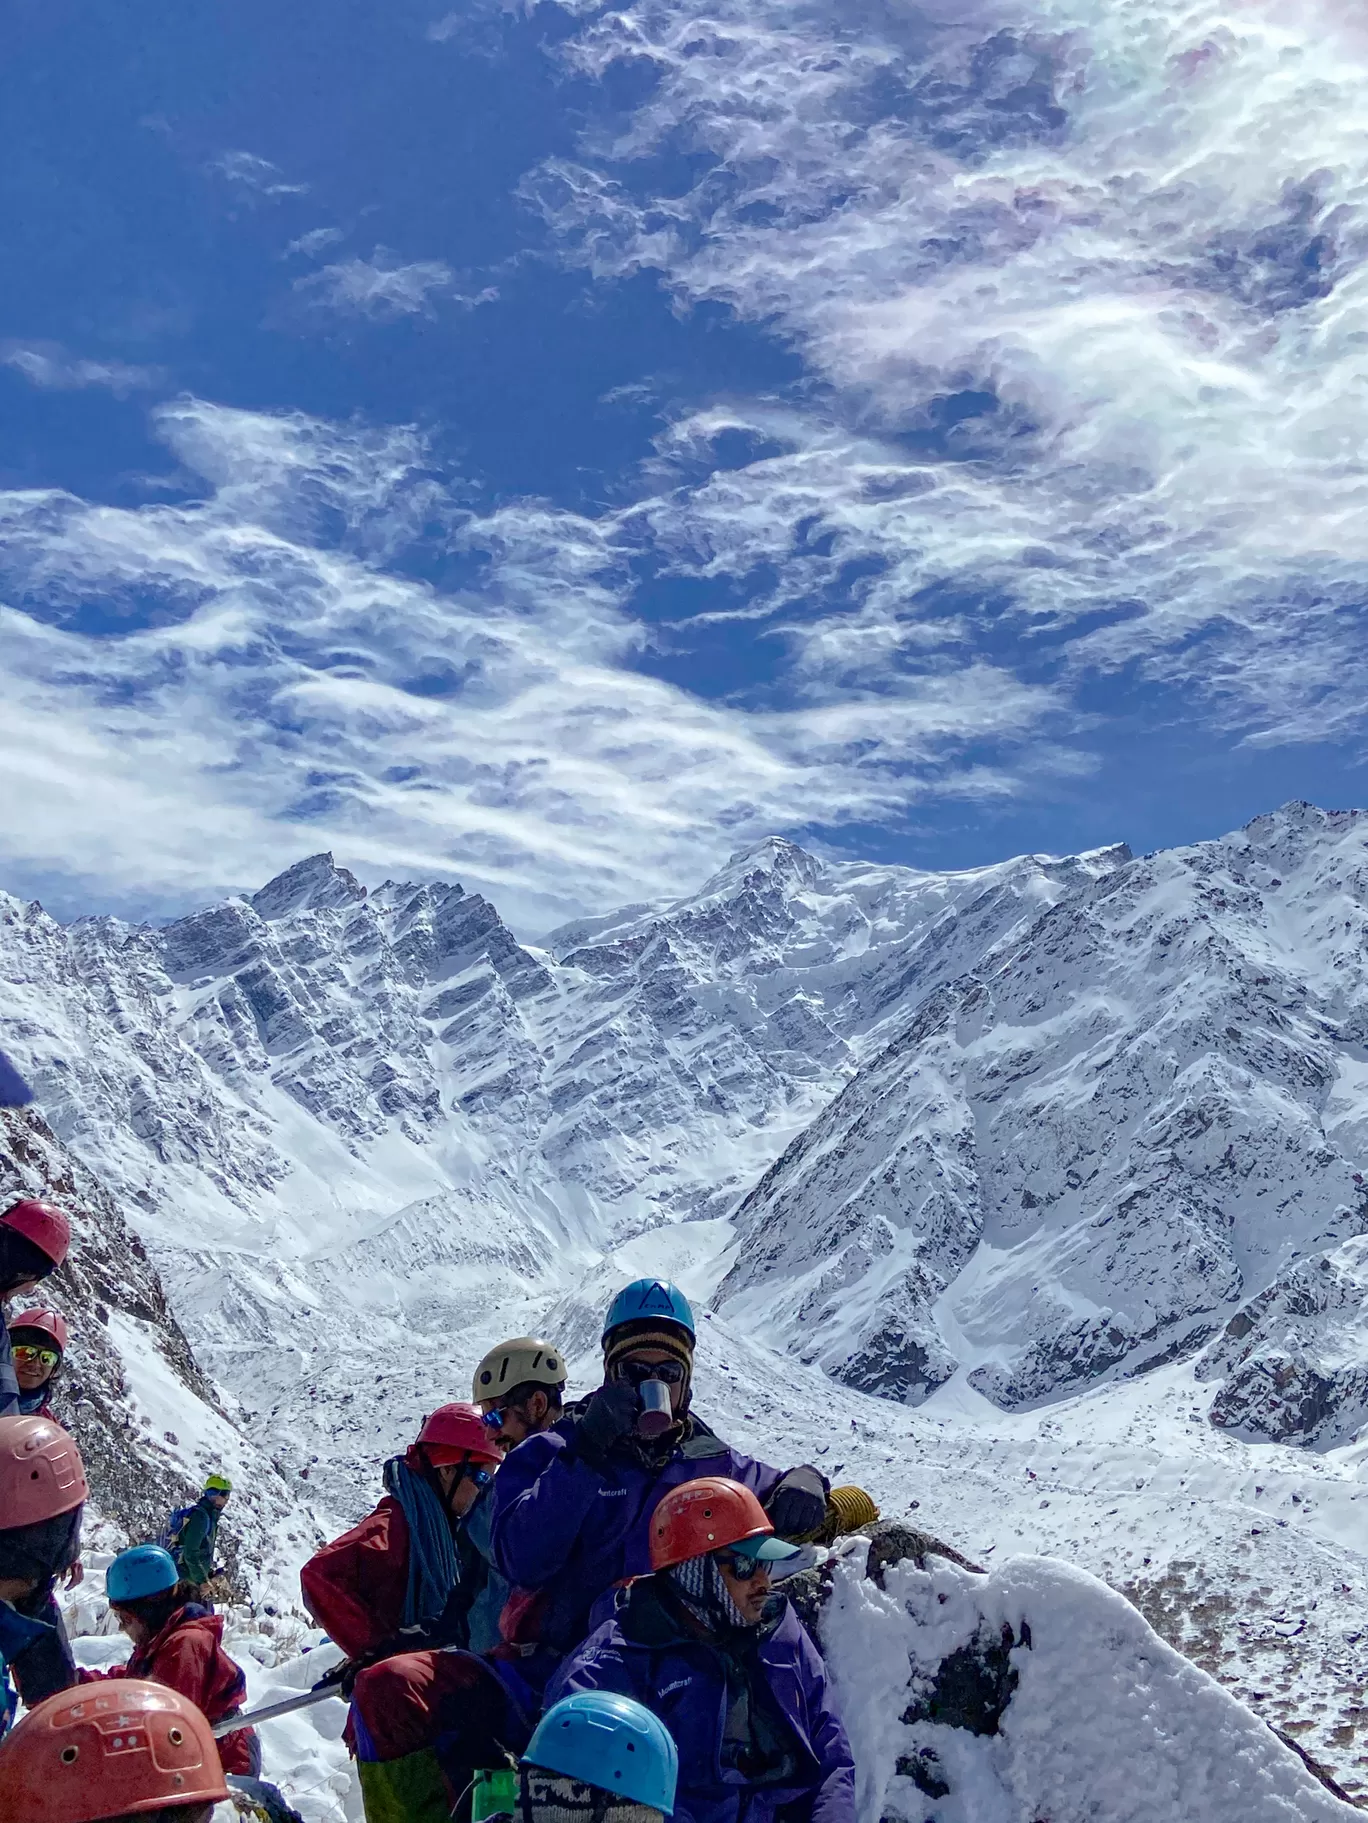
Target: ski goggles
{"type": "Point", "coordinates": [637, 1373]}
{"type": "Point", "coordinates": [26, 1355]}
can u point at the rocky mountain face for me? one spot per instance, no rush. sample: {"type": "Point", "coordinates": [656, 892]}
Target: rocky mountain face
{"type": "Point", "coordinates": [129, 1373]}
{"type": "Point", "coordinates": [1137, 1123]}
{"type": "Point", "coordinates": [1045, 1122]}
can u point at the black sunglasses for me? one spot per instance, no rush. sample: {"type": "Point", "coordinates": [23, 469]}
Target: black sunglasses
{"type": "Point", "coordinates": [637, 1373]}
{"type": "Point", "coordinates": [740, 1566]}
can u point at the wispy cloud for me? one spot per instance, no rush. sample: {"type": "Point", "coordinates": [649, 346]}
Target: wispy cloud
{"type": "Point", "coordinates": [385, 287]}
{"type": "Point", "coordinates": [49, 366]}
{"type": "Point", "coordinates": [315, 242]}
{"type": "Point", "coordinates": [259, 175]}
{"type": "Point", "coordinates": [240, 689]}
{"type": "Point", "coordinates": [1079, 288]}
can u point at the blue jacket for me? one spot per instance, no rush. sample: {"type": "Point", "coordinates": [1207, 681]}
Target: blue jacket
{"type": "Point", "coordinates": [575, 1530]}
{"type": "Point", "coordinates": [653, 1651]}
{"type": "Point", "coordinates": [17, 1634]}
{"type": "Point", "coordinates": [9, 1380]}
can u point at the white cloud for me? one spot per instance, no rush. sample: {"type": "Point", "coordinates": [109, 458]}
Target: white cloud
{"type": "Point", "coordinates": [384, 287]}
{"type": "Point", "coordinates": [256, 174]}
{"type": "Point", "coordinates": [251, 692]}
{"type": "Point", "coordinates": [52, 368]}
{"type": "Point", "coordinates": [1141, 229]}
{"type": "Point", "coordinates": [314, 242]}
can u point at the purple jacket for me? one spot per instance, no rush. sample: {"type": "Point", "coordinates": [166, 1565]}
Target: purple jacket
{"type": "Point", "coordinates": [648, 1652]}
{"type": "Point", "coordinates": [573, 1530]}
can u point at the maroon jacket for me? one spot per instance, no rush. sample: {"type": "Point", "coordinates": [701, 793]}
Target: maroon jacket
{"type": "Point", "coordinates": [355, 1586]}
{"type": "Point", "coordinates": [188, 1656]}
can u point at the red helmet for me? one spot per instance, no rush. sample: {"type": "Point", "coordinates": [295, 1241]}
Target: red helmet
{"type": "Point", "coordinates": [41, 1472]}
{"type": "Point", "coordinates": [108, 1750]}
{"type": "Point", "coordinates": [454, 1432]}
{"type": "Point", "coordinates": [702, 1516]}
{"type": "Point", "coordinates": [46, 1227]}
{"type": "Point", "coordinates": [51, 1322]}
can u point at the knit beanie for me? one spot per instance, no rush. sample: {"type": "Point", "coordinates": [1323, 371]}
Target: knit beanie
{"type": "Point", "coordinates": [550, 1798]}
{"type": "Point", "coordinates": [647, 1332]}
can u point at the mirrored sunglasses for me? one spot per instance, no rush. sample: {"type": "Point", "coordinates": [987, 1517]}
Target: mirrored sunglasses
{"type": "Point", "coordinates": [637, 1373]}
{"type": "Point", "coordinates": [26, 1355]}
{"type": "Point", "coordinates": [738, 1565]}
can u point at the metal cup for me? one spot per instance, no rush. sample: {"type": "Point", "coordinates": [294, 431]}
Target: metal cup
{"type": "Point", "coordinates": [657, 1414]}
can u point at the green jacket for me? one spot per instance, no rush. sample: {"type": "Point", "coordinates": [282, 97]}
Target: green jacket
{"type": "Point", "coordinates": [195, 1546]}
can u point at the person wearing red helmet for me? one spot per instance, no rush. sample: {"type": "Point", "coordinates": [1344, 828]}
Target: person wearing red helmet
{"type": "Point", "coordinates": [38, 1342]}
{"type": "Point", "coordinates": [125, 1749]}
{"type": "Point", "coordinates": [709, 1647]}
{"type": "Point", "coordinates": [42, 1495]}
{"type": "Point", "coordinates": [410, 1563]}
{"type": "Point", "coordinates": [34, 1239]}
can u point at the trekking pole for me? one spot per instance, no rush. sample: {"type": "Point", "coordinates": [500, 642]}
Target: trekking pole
{"type": "Point", "coordinates": [325, 1687]}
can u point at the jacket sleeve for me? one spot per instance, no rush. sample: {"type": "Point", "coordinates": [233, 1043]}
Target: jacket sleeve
{"type": "Point", "coordinates": [187, 1661]}
{"type": "Point", "coordinates": [543, 1495]}
{"type": "Point", "coordinates": [355, 1586]}
{"type": "Point", "coordinates": [835, 1799]}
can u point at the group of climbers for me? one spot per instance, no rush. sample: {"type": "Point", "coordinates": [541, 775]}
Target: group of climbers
{"type": "Point", "coordinates": [627, 1551]}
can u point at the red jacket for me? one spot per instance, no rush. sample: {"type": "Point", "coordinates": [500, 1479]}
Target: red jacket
{"type": "Point", "coordinates": [188, 1656]}
{"type": "Point", "coordinates": [355, 1586]}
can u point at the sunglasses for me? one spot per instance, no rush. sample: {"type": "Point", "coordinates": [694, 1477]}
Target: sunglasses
{"type": "Point", "coordinates": [480, 1476]}
{"type": "Point", "coordinates": [738, 1565]}
{"type": "Point", "coordinates": [637, 1373]}
{"type": "Point", "coordinates": [27, 1356]}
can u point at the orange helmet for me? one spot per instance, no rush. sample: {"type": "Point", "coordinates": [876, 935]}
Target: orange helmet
{"type": "Point", "coordinates": [108, 1750]}
{"type": "Point", "coordinates": [702, 1516]}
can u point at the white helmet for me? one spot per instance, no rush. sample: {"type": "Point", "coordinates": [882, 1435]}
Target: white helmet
{"type": "Point", "coordinates": [523, 1361]}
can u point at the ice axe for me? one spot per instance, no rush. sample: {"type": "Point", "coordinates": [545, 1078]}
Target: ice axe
{"type": "Point", "coordinates": [326, 1686]}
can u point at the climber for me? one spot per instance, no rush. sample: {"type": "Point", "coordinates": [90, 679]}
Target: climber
{"type": "Point", "coordinates": [519, 1387]}
{"type": "Point", "coordinates": [38, 1340]}
{"type": "Point", "coordinates": [178, 1642]}
{"type": "Point", "coordinates": [572, 1507]}
{"type": "Point", "coordinates": [193, 1531]}
{"type": "Point", "coordinates": [726, 1665]}
{"type": "Point", "coordinates": [109, 1754]}
{"type": "Point", "coordinates": [14, 1091]}
{"type": "Point", "coordinates": [42, 1494]}
{"type": "Point", "coordinates": [34, 1238]}
{"type": "Point", "coordinates": [411, 1564]}
{"type": "Point", "coordinates": [597, 1758]}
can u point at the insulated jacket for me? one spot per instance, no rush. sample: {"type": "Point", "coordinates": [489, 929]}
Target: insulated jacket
{"type": "Point", "coordinates": [574, 1530]}
{"type": "Point", "coordinates": [771, 1676]}
{"type": "Point", "coordinates": [9, 1382]}
{"type": "Point", "coordinates": [356, 1586]}
{"type": "Point", "coordinates": [194, 1549]}
{"type": "Point", "coordinates": [188, 1656]}
{"type": "Point", "coordinates": [18, 1635]}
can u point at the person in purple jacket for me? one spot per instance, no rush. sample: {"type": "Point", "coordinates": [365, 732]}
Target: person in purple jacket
{"type": "Point", "coordinates": [726, 1665]}
{"type": "Point", "coordinates": [572, 1506]}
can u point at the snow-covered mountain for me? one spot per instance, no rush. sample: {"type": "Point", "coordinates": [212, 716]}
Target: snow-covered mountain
{"type": "Point", "coordinates": [1091, 1150]}
{"type": "Point", "coordinates": [1047, 1121]}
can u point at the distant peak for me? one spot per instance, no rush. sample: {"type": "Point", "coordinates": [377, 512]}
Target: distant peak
{"type": "Point", "coordinates": [315, 884]}
{"type": "Point", "coordinates": [774, 855]}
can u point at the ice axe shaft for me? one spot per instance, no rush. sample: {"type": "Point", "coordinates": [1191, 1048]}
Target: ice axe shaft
{"type": "Point", "coordinates": [287, 1706]}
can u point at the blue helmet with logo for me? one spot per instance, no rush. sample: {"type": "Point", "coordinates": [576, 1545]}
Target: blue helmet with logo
{"type": "Point", "coordinates": [649, 1300]}
{"type": "Point", "coordinates": [610, 1742]}
{"type": "Point", "coordinates": [144, 1570]}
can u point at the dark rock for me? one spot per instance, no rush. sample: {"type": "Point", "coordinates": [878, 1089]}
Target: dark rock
{"type": "Point", "coordinates": [972, 1685]}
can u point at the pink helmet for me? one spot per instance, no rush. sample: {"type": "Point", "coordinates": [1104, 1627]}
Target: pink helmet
{"type": "Point", "coordinates": [51, 1322]}
{"type": "Point", "coordinates": [41, 1472]}
{"type": "Point", "coordinates": [454, 1432]}
{"type": "Point", "coordinates": [46, 1227]}
{"type": "Point", "coordinates": [108, 1750]}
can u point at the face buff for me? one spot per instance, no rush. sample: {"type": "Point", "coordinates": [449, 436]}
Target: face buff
{"type": "Point", "coordinates": [702, 1590]}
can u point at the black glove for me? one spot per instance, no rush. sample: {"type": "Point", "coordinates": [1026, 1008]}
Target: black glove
{"type": "Point", "coordinates": [609, 1416]}
{"type": "Point", "coordinates": [797, 1503]}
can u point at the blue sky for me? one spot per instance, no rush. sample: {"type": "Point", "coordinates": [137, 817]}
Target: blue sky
{"type": "Point", "coordinates": [555, 446]}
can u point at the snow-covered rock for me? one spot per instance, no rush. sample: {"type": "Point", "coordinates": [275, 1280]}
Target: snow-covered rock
{"type": "Point", "coordinates": [1035, 1692]}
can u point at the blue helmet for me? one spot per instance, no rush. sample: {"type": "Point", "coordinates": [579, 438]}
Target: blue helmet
{"type": "Point", "coordinates": [611, 1743]}
{"type": "Point", "coordinates": [144, 1570]}
{"type": "Point", "coordinates": [645, 1299]}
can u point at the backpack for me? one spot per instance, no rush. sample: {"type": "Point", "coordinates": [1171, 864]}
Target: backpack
{"type": "Point", "coordinates": [175, 1525]}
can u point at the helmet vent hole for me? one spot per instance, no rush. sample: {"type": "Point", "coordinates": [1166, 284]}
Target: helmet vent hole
{"type": "Point", "coordinates": [69, 1755]}
{"type": "Point", "coordinates": [175, 1736]}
